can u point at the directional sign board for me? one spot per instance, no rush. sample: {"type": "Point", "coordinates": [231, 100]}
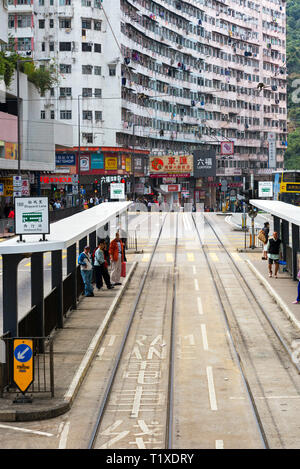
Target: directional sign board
{"type": "Point", "coordinates": [23, 363]}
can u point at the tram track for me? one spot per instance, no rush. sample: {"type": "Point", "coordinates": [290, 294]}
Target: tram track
{"type": "Point", "coordinates": [143, 287]}
{"type": "Point", "coordinates": [268, 422]}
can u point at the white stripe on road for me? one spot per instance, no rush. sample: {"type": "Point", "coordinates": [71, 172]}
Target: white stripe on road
{"type": "Point", "coordinates": [199, 304]}
{"type": "Point", "coordinates": [25, 430]}
{"type": "Point", "coordinates": [64, 436]}
{"type": "Point", "coordinates": [219, 444]}
{"type": "Point", "coordinates": [204, 337]}
{"type": "Point", "coordinates": [211, 388]}
{"type": "Point", "coordinates": [196, 284]}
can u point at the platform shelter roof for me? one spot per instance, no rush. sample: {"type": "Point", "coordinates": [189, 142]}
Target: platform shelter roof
{"type": "Point", "coordinates": [282, 210]}
{"type": "Point", "coordinates": [68, 231]}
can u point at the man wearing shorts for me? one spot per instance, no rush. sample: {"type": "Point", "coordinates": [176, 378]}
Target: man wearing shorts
{"type": "Point", "coordinates": [274, 252]}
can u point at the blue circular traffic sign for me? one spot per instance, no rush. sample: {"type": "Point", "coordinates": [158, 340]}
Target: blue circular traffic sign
{"type": "Point", "coordinates": [23, 353]}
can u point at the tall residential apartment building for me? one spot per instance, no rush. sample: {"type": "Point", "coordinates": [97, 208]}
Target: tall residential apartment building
{"type": "Point", "coordinates": [167, 76]}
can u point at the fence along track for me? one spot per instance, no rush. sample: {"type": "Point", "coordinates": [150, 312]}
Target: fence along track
{"type": "Point", "coordinates": [169, 423]}
{"type": "Point", "coordinates": [251, 399]}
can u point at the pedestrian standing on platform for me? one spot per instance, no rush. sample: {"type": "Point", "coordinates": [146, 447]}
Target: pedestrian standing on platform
{"type": "Point", "coordinates": [86, 269]}
{"type": "Point", "coordinates": [274, 252]}
{"type": "Point", "coordinates": [265, 230]}
{"type": "Point", "coordinates": [116, 252]}
{"type": "Point", "coordinates": [100, 266]}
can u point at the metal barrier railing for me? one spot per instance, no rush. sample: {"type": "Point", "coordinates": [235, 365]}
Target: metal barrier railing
{"type": "Point", "coordinates": [43, 368]}
{"type": "Point", "coordinates": [132, 242]}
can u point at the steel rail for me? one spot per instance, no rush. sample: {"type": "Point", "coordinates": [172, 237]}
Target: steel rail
{"type": "Point", "coordinates": [169, 423]}
{"type": "Point", "coordinates": [122, 346]}
{"type": "Point", "coordinates": [251, 399]}
{"type": "Point", "coordinates": [274, 328]}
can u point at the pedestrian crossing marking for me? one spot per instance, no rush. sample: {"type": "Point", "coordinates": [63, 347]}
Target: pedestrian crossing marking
{"type": "Point", "coordinates": [214, 256]}
{"type": "Point", "coordinates": [190, 256]}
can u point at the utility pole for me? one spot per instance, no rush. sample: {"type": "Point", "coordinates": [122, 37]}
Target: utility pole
{"type": "Point", "coordinates": [133, 162]}
{"type": "Point", "coordinates": [79, 149]}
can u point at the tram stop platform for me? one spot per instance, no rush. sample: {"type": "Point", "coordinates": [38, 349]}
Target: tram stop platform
{"type": "Point", "coordinates": [283, 290]}
{"type": "Point", "coordinates": [74, 348]}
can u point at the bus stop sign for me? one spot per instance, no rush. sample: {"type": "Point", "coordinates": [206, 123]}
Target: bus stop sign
{"type": "Point", "coordinates": [23, 363]}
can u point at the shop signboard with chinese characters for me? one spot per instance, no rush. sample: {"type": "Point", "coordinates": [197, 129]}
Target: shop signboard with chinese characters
{"type": "Point", "coordinates": [32, 216]}
{"type": "Point", "coordinates": [166, 166]}
{"type": "Point", "coordinates": [205, 163]}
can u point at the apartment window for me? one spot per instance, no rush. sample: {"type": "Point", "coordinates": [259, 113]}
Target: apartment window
{"type": "Point", "coordinates": [43, 47]}
{"type": "Point", "coordinates": [86, 3]}
{"type": "Point", "coordinates": [97, 25]}
{"type": "Point", "coordinates": [52, 114]}
{"type": "Point", "coordinates": [65, 114]}
{"type": "Point", "coordinates": [112, 70]}
{"type": "Point", "coordinates": [24, 43]}
{"type": "Point", "coordinates": [63, 92]}
{"type": "Point", "coordinates": [97, 70]}
{"type": "Point", "coordinates": [87, 115]}
{"type": "Point", "coordinates": [87, 92]}
{"type": "Point", "coordinates": [65, 68]}
{"type": "Point", "coordinates": [98, 92]}
{"type": "Point", "coordinates": [87, 69]}
{"type": "Point", "coordinates": [88, 137]}
{"type": "Point", "coordinates": [11, 21]}
{"type": "Point", "coordinates": [98, 115]}
{"type": "Point", "coordinates": [64, 46]}
{"type": "Point", "coordinates": [41, 3]}
{"type": "Point", "coordinates": [51, 46]}
{"type": "Point", "coordinates": [43, 115]}
{"type": "Point", "coordinates": [65, 23]}
{"type": "Point", "coordinates": [64, 2]}
{"type": "Point", "coordinates": [51, 23]}
{"type": "Point", "coordinates": [97, 47]}
{"type": "Point", "coordinates": [86, 47]}
{"type": "Point", "coordinates": [86, 24]}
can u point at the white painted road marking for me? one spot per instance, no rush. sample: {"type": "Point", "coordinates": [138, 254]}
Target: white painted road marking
{"type": "Point", "coordinates": [211, 388]}
{"type": "Point", "coordinates": [204, 337]}
{"type": "Point", "coordinates": [25, 430]}
{"type": "Point", "coordinates": [199, 304]}
{"type": "Point", "coordinates": [196, 284]}
{"type": "Point", "coordinates": [219, 444]}
{"type": "Point", "coordinates": [64, 436]}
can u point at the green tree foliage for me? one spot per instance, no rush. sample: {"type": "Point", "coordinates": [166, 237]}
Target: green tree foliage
{"type": "Point", "coordinates": [292, 155]}
{"type": "Point", "coordinates": [44, 77]}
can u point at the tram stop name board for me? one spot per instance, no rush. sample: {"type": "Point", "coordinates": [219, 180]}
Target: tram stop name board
{"type": "Point", "coordinates": [23, 363]}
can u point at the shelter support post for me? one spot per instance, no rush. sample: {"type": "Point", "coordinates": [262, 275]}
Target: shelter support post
{"type": "Point", "coordinates": [284, 236]}
{"type": "Point", "coordinates": [57, 282]}
{"type": "Point", "coordinates": [276, 222]}
{"type": "Point", "coordinates": [37, 293]}
{"type": "Point", "coordinates": [71, 270]}
{"type": "Point", "coordinates": [10, 264]}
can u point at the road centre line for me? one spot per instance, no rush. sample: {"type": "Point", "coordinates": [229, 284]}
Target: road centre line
{"type": "Point", "coordinates": [211, 388]}
{"type": "Point", "coordinates": [204, 336]}
{"type": "Point", "coordinates": [196, 284]}
{"type": "Point", "coordinates": [199, 304]}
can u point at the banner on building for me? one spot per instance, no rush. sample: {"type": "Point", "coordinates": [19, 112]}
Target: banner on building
{"type": "Point", "coordinates": [272, 149]}
{"type": "Point", "coordinates": [164, 165]}
{"type": "Point", "coordinates": [111, 163]}
{"type": "Point", "coordinates": [227, 148]}
{"type": "Point", "coordinates": [205, 163]}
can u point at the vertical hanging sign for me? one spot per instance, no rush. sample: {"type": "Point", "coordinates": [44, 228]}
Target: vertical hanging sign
{"type": "Point", "coordinates": [272, 149]}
